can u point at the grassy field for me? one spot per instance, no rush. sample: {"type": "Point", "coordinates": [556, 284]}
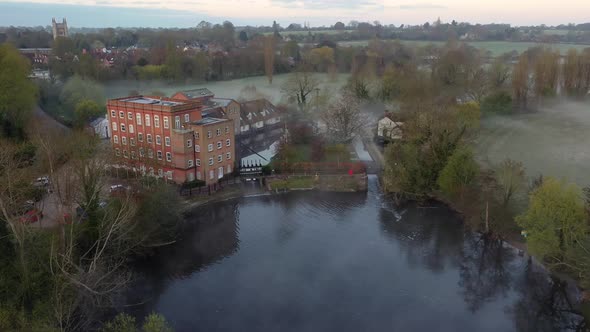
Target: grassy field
{"type": "Point", "coordinates": [222, 89]}
{"type": "Point", "coordinates": [553, 142]}
{"type": "Point", "coordinates": [495, 47]}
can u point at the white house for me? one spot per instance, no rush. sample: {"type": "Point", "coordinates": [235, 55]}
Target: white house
{"type": "Point", "coordinates": [101, 128]}
{"type": "Point", "coordinates": [388, 129]}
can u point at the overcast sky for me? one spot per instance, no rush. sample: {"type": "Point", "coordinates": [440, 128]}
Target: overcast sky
{"type": "Point", "coordinates": [186, 13]}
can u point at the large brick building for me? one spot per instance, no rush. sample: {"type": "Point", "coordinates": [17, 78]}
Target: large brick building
{"type": "Point", "coordinates": [213, 107]}
{"type": "Point", "coordinates": [170, 138]}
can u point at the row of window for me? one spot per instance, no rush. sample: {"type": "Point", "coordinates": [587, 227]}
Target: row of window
{"type": "Point", "coordinates": [138, 120]}
{"type": "Point", "coordinates": [210, 146]}
{"type": "Point", "coordinates": [168, 156]}
{"type": "Point", "coordinates": [189, 142]}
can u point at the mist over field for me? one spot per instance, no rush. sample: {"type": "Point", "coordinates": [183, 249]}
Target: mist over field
{"type": "Point", "coordinates": [552, 141]}
{"type": "Point", "coordinates": [225, 89]}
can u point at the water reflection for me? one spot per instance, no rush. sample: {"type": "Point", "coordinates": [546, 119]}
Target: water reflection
{"type": "Point", "coordinates": [485, 272]}
{"type": "Point", "coordinates": [428, 235]}
{"type": "Point", "coordinates": [545, 304]}
{"type": "Point", "coordinates": [312, 261]}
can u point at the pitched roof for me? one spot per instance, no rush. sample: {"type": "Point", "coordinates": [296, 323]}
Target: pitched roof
{"type": "Point", "coordinates": [257, 110]}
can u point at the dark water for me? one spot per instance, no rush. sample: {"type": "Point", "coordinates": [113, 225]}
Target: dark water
{"type": "Point", "coordinates": [345, 262]}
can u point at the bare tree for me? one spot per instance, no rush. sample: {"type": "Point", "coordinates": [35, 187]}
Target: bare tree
{"type": "Point", "coordinates": [269, 57]}
{"type": "Point", "coordinates": [343, 119]}
{"type": "Point", "coordinates": [521, 82]}
{"type": "Point", "coordinates": [299, 86]}
{"type": "Point", "coordinates": [510, 176]}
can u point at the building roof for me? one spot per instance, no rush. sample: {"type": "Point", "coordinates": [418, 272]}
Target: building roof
{"type": "Point", "coordinates": [223, 102]}
{"type": "Point", "coordinates": [215, 112]}
{"type": "Point", "coordinates": [151, 101]}
{"type": "Point", "coordinates": [257, 110]}
{"type": "Point", "coordinates": [97, 121]}
{"type": "Point", "coordinates": [209, 121]}
{"type": "Point", "coordinates": [155, 103]}
{"type": "Point", "coordinates": [197, 93]}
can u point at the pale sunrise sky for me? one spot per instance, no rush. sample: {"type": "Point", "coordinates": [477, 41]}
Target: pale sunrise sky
{"type": "Point", "coordinates": [186, 13]}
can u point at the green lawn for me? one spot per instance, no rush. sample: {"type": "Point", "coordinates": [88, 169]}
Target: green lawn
{"type": "Point", "coordinates": [495, 47]}
{"type": "Point", "coordinates": [553, 142]}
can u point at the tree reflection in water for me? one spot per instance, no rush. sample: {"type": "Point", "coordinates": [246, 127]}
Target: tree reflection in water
{"type": "Point", "coordinates": [484, 270]}
{"type": "Point", "coordinates": [545, 304]}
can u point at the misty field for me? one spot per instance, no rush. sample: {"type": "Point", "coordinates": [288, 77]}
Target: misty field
{"type": "Point", "coordinates": [224, 89]}
{"type": "Point", "coordinates": [553, 142]}
{"type": "Point", "coordinates": [495, 47]}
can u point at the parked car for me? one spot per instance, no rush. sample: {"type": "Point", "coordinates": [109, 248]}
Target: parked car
{"type": "Point", "coordinates": [41, 181]}
{"type": "Point", "coordinates": [117, 188]}
{"type": "Point", "coordinates": [31, 216]}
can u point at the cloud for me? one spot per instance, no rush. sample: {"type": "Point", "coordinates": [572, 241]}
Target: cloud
{"type": "Point", "coordinates": [327, 4]}
{"type": "Point", "coordinates": [420, 6]}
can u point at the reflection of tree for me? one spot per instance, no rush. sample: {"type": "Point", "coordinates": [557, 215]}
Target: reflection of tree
{"type": "Point", "coordinates": [544, 304]}
{"type": "Point", "coordinates": [429, 235]}
{"type": "Point", "coordinates": [484, 270]}
{"type": "Point", "coordinates": [210, 235]}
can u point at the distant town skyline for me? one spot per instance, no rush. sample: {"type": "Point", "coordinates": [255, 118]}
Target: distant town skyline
{"type": "Point", "coordinates": [187, 13]}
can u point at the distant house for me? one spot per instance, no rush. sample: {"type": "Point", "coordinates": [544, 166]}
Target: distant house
{"type": "Point", "coordinates": [258, 114]}
{"type": "Point", "coordinates": [213, 107]}
{"type": "Point", "coordinates": [388, 128]}
{"type": "Point", "coordinates": [101, 127]}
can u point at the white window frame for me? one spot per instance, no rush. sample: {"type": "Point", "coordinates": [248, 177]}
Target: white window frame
{"type": "Point", "coordinates": [228, 155]}
{"type": "Point", "coordinates": [140, 137]}
{"type": "Point", "coordinates": [197, 148]}
{"type": "Point", "coordinates": [138, 118]}
{"type": "Point", "coordinates": [121, 114]}
{"type": "Point", "coordinates": [166, 123]}
{"type": "Point", "coordinates": [177, 122]}
{"type": "Point", "coordinates": [218, 132]}
{"type": "Point", "coordinates": [156, 121]}
{"type": "Point", "coordinates": [190, 163]}
{"type": "Point", "coordinates": [227, 129]}
{"type": "Point", "coordinates": [123, 140]}
{"type": "Point", "coordinates": [169, 157]}
{"type": "Point", "coordinates": [131, 129]}
{"type": "Point", "coordinates": [211, 161]}
{"type": "Point", "coordinates": [187, 118]}
{"type": "Point", "coordinates": [210, 147]}
{"type": "Point", "coordinates": [129, 115]}
{"type": "Point", "coordinates": [122, 126]}
{"type": "Point", "coordinates": [151, 154]}
{"type": "Point", "coordinates": [159, 155]}
{"type": "Point", "coordinates": [115, 139]}
{"type": "Point", "coordinates": [219, 158]}
{"type": "Point", "coordinates": [228, 142]}
{"type": "Point", "coordinates": [167, 141]}
{"type": "Point", "coordinates": [219, 145]}
{"type": "Point", "coordinates": [114, 126]}
{"type": "Point", "coordinates": [149, 138]}
{"type": "Point", "coordinates": [132, 141]}
{"type": "Point", "coordinates": [158, 140]}
{"type": "Point", "coordinates": [113, 114]}
{"type": "Point", "coordinates": [147, 120]}
{"type": "Point", "coordinates": [198, 162]}
{"type": "Point", "coordinates": [189, 143]}
{"type": "Point", "coordinates": [208, 133]}
{"type": "Point", "coordinates": [196, 135]}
